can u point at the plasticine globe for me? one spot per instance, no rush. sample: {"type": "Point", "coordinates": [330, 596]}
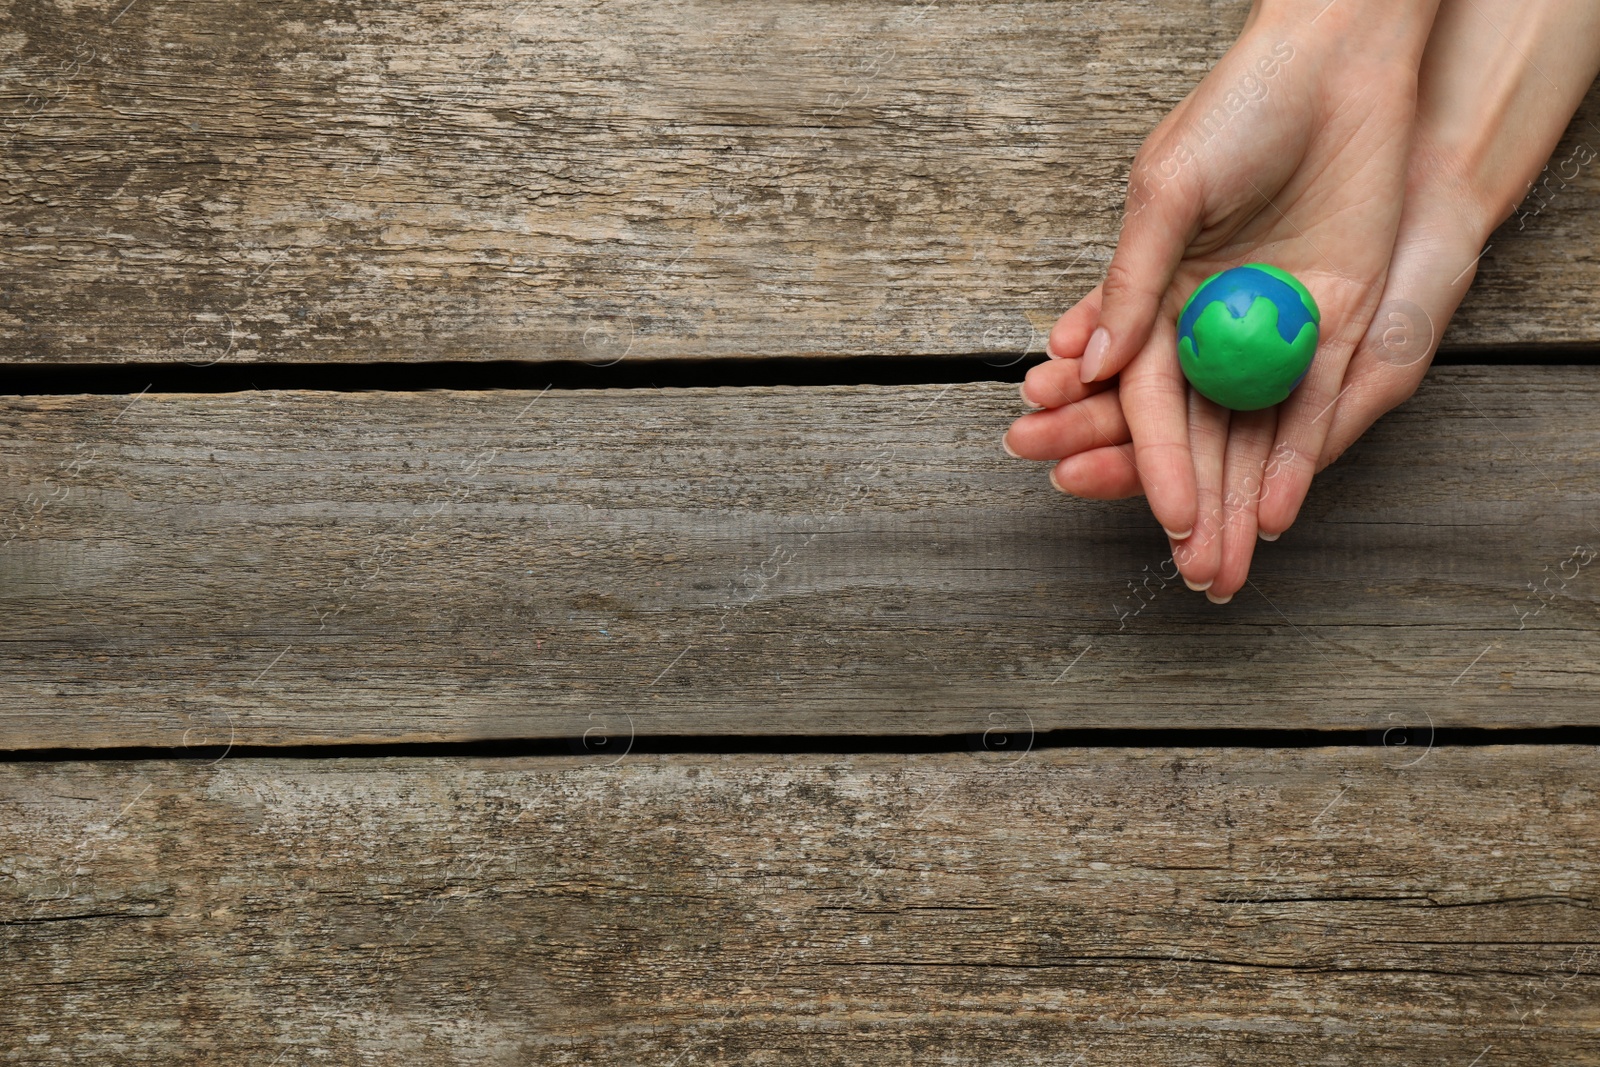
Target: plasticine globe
{"type": "Point", "coordinates": [1247, 335]}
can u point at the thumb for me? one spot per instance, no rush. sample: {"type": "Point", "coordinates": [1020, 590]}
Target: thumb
{"type": "Point", "coordinates": [1400, 343]}
{"type": "Point", "coordinates": [1162, 217]}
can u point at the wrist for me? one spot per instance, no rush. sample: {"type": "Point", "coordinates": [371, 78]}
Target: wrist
{"type": "Point", "coordinates": [1491, 109]}
{"type": "Point", "coordinates": [1365, 31]}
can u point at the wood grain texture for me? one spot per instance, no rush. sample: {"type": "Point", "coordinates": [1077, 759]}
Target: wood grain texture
{"type": "Point", "coordinates": [500, 179]}
{"type": "Point", "coordinates": [305, 567]}
{"type": "Point", "coordinates": [1329, 906]}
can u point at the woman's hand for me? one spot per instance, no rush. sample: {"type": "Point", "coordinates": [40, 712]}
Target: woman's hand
{"type": "Point", "coordinates": [1486, 122]}
{"type": "Point", "coordinates": [1292, 151]}
{"type": "Point", "coordinates": [1500, 81]}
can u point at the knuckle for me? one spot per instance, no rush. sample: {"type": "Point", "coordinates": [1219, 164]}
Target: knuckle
{"type": "Point", "coordinates": [1120, 283]}
{"type": "Point", "coordinates": [1142, 172]}
{"type": "Point", "coordinates": [1161, 173]}
{"type": "Point", "coordinates": [1209, 522]}
{"type": "Point", "coordinates": [1398, 394]}
{"type": "Point", "coordinates": [1047, 392]}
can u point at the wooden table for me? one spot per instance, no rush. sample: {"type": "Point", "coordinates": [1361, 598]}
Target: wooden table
{"type": "Point", "coordinates": [507, 558]}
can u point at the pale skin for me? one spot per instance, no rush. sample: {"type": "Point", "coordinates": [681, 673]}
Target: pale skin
{"type": "Point", "coordinates": [1374, 167]}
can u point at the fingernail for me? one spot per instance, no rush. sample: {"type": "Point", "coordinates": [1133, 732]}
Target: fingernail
{"type": "Point", "coordinates": [1007, 446]}
{"type": "Point", "coordinates": [1023, 391]}
{"type": "Point", "coordinates": [1177, 536]}
{"type": "Point", "coordinates": [1219, 599]}
{"type": "Point", "coordinates": [1054, 482]}
{"type": "Point", "coordinates": [1094, 356]}
{"type": "Point", "coordinates": [1050, 351]}
{"type": "Point", "coordinates": [1267, 536]}
{"type": "Point", "coordinates": [1198, 588]}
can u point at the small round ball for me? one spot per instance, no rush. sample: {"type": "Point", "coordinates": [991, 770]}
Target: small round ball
{"type": "Point", "coordinates": [1246, 336]}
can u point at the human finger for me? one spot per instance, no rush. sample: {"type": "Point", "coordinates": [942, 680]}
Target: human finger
{"type": "Point", "coordinates": [1305, 417]}
{"type": "Point", "coordinates": [1162, 216]}
{"type": "Point", "coordinates": [1056, 382]}
{"type": "Point", "coordinates": [1200, 554]}
{"type": "Point", "coordinates": [1071, 332]}
{"type": "Point", "coordinates": [1055, 433]}
{"type": "Point", "coordinates": [1426, 284]}
{"type": "Point", "coordinates": [1098, 474]}
{"type": "Point", "coordinates": [1154, 398]}
{"type": "Point", "coordinates": [1250, 437]}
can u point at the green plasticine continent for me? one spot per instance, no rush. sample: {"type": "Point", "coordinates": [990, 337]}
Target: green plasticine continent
{"type": "Point", "coordinates": [1247, 365]}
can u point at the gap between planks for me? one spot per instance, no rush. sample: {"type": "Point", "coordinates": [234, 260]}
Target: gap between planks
{"type": "Point", "coordinates": [496, 179]}
{"type": "Point", "coordinates": [305, 568]}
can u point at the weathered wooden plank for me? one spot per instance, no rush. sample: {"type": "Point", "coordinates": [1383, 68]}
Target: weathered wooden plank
{"type": "Point", "coordinates": [561, 180]}
{"type": "Point", "coordinates": [1330, 906]}
{"type": "Point", "coordinates": [300, 567]}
